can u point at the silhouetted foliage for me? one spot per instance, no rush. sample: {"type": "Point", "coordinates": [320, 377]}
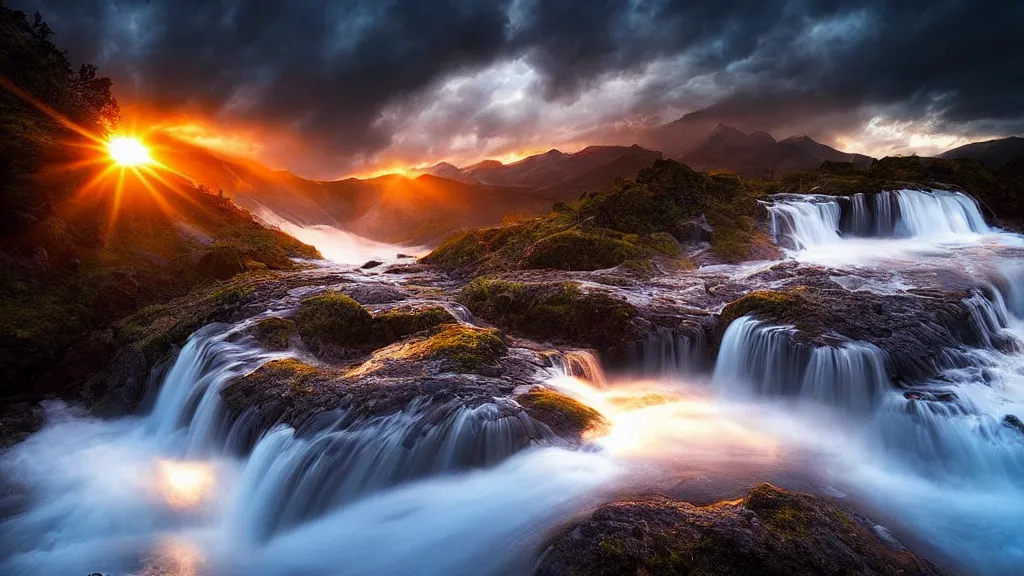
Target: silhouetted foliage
{"type": "Point", "coordinates": [34, 75]}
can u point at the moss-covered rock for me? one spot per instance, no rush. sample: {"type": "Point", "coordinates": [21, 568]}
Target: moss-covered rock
{"type": "Point", "coordinates": [555, 311]}
{"type": "Point", "coordinates": [578, 250]}
{"type": "Point", "coordinates": [465, 348]}
{"type": "Point", "coordinates": [220, 262]}
{"type": "Point", "coordinates": [781, 307]}
{"type": "Point", "coordinates": [395, 324]}
{"type": "Point", "coordinates": [274, 333]}
{"type": "Point", "coordinates": [771, 532]}
{"type": "Point", "coordinates": [564, 415]}
{"type": "Point", "coordinates": [333, 319]}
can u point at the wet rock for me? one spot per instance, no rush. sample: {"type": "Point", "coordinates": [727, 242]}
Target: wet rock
{"type": "Point", "coordinates": [373, 293]}
{"type": "Point", "coordinates": [371, 264]}
{"type": "Point", "coordinates": [564, 415]}
{"type": "Point", "coordinates": [274, 333]}
{"type": "Point", "coordinates": [770, 532]}
{"type": "Point", "coordinates": [19, 420]}
{"type": "Point", "coordinates": [917, 330]}
{"type": "Point", "coordinates": [1011, 421]}
{"type": "Point", "coordinates": [555, 311]}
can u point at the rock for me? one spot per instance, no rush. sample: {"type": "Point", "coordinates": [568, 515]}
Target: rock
{"type": "Point", "coordinates": [373, 293]}
{"type": "Point", "coordinates": [220, 262]}
{"type": "Point", "coordinates": [555, 311]}
{"type": "Point", "coordinates": [403, 256]}
{"type": "Point", "coordinates": [771, 532]}
{"type": "Point", "coordinates": [18, 421]}
{"type": "Point", "coordinates": [915, 329]}
{"type": "Point", "coordinates": [1013, 422]}
{"type": "Point", "coordinates": [564, 415]}
{"type": "Point", "coordinates": [274, 333]}
{"type": "Point", "coordinates": [371, 264]}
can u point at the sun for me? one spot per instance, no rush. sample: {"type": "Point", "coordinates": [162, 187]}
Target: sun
{"type": "Point", "coordinates": [128, 151]}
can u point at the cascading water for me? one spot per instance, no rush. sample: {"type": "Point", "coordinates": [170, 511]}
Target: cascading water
{"type": "Point", "coordinates": [764, 359]}
{"type": "Point", "coordinates": [944, 452]}
{"type": "Point", "coordinates": [195, 488]}
{"type": "Point", "coordinates": [807, 220]}
{"type": "Point", "coordinates": [665, 352]}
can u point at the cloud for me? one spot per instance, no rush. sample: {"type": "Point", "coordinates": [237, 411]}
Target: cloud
{"type": "Point", "coordinates": [359, 82]}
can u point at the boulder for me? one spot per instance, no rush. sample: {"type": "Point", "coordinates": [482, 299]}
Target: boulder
{"type": "Point", "coordinates": [771, 532]}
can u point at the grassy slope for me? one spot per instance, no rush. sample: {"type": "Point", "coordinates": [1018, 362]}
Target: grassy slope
{"type": "Point", "coordinates": [632, 220]}
{"type": "Point", "coordinates": [68, 270]}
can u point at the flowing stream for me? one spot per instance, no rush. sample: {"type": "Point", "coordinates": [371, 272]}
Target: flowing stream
{"type": "Point", "coordinates": [447, 489]}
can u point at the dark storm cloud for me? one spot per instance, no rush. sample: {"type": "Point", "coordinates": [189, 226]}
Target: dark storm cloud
{"type": "Point", "coordinates": [331, 69]}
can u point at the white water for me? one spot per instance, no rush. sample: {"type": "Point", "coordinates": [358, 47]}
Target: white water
{"type": "Point", "coordinates": [338, 245]}
{"type": "Point", "coordinates": [884, 228]}
{"type": "Point", "coordinates": [940, 460]}
{"type": "Point", "coordinates": [452, 490]}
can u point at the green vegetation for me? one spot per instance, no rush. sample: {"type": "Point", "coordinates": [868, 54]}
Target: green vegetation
{"type": "Point", "coordinates": [69, 270]}
{"type": "Point", "coordinates": [561, 413]}
{"type": "Point", "coordinates": [274, 333]}
{"type": "Point", "coordinates": [337, 320]}
{"type": "Point", "coordinates": [465, 347]}
{"type": "Point", "coordinates": [554, 311]}
{"type": "Point", "coordinates": [632, 221]}
{"type": "Point", "coordinates": [294, 374]}
{"type": "Point", "coordinates": [771, 532]}
{"type": "Point", "coordinates": [393, 325]}
{"type": "Point", "coordinates": [792, 307]}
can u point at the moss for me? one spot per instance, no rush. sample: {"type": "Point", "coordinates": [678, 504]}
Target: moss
{"type": "Point", "coordinates": [467, 348]}
{"type": "Point", "coordinates": [781, 514]}
{"type": "Point", "coordinates": [333, 319]}
{"type": "Point", "coordinates": [394, 325]}
{"type": "Point", "coordinates": [457, 251]}
{"type": "Point", "coordinates": [287, 375]}
{"type": "Point", "coordinates": [220, 262]}
{"type": "Point", "coordinates": [274, 333]}
{"type": "Point", "coordinates": [779, 307]}
{"type": "Point", "coordinates": [554, 311]}
{"type": "Point", "coordinates": [577, 250]}
{"type": "Point", "coordinates": [632, 220]}
{"type": "Point", "coordinates": [560, 412]}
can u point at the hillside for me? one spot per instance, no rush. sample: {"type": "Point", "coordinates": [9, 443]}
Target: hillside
{"type": "Point", "coordinates": [85, 243]}
{"type": "Point", "coordinates": [991, 153]}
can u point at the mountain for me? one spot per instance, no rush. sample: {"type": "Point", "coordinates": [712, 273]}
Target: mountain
{"type": "Point", "coordinates": [389, 208]}
{"type": "Point", "coordinates": [758, 155]}
{"type": "Point", "coordinates": [564, 175]}
{"type": "Point", "coordinates": [992, 153]}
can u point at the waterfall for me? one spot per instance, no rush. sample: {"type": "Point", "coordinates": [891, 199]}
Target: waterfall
{"type": "Point", "coordinates": [801, 221]}
{"type": "Point", "coordinates": [578, 364]}
{"type": "Point", "coordinates": [289, 479]}
{"type": "Point", "coordinates": [763, 360]}
{"type": "Point", "coordinates": [805, 221]}
{"type": "Point", "coordinates": [667, 352]}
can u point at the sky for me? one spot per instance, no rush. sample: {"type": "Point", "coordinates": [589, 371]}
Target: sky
{"type": "Point", "coordinates": [333, 88]}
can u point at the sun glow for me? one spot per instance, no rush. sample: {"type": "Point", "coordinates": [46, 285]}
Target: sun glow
{"type": "Point", "coordinates": [185, 484]}
{"type": "Point", "coordinates": [128, 151]}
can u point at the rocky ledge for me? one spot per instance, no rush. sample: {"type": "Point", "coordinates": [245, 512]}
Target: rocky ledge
{"type": "Point", "coordinates": [771, 532]}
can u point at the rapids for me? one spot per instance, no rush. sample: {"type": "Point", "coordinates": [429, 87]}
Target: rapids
{"type": "Point", "coordinates": [189, 488]}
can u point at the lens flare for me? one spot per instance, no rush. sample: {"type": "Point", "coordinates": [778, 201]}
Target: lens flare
{"type": "Point", "coordinates": [128, 151]}
{"type": "Point", "coordinates": [185, 484]}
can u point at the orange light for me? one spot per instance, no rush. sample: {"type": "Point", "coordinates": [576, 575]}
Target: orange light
{"type": "Point", "coordinates": [185, 484]}
{"type": "Point", "coordinates": [128, 151]}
